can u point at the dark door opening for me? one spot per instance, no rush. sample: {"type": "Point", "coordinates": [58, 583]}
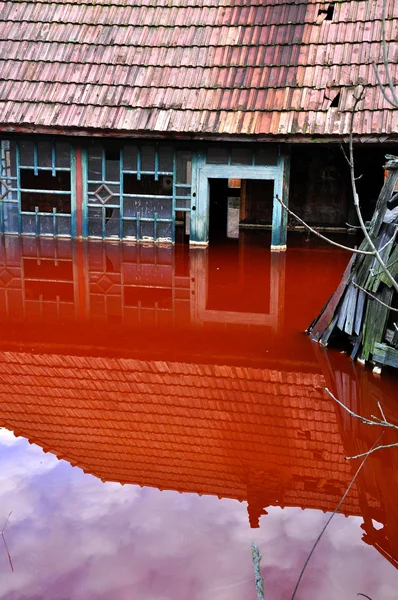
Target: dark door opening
{"type": "Point", "coordinates": [239, 202]}
{"type": "Point", "coordinates": [218, 209]}
{"type": "Point", "coordinates": [182, 226]}
{"type": "Point", "coordinates": [256, 202]}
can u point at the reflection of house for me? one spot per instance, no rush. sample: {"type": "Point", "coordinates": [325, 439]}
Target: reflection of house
{"type": "Point", "coordinates": [128, 120]}
{"type": "Point", "coordinates": [265, 436]}
{"type": "Point", "coordinates": [140, 287]}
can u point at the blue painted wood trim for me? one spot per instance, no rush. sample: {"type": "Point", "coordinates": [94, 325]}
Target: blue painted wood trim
{"type": "Point", "coordinates": [286, 186]}
{"type": "Point", "coordinates": [73, 190]}
{"type": "Point", "coordinates": [18, 167]}
{"type": "Point", "coordinates": [276, 238]}
{"type": "Point", "coordinates": [37, 223]}
{"type": "Point", "coordinates": [85, 192]}
{"type": "Point", "coordinates": [53, 159]}
{"type": "Point", "coordinates": [157, 162]}
{"type": "Point", "coordinates": [1, 217]}
{"type": "Point", "coordinates": [202, 172]}
{"type": "Point", "coordinates": [36, 158]}
{"type": "Point", "coordinates": [138, 163]}
{"type": "Point", "coordinates": [55, 222]}
{"type": "Point", "coordinates": [198, 161]}
{"type": "Point", "coordinates": [121, 196]}
{"type": "Point", "coordinates": [173, 205]}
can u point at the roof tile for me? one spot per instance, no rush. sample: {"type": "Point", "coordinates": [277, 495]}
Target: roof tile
{"type": "Point", "coordinates": [210, 67]}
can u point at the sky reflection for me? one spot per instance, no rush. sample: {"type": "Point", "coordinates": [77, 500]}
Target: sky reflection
{"type": "Point", "coordinates": [72, 536]}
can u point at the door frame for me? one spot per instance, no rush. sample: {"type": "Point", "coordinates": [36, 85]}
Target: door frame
{"type": "Point", "coordinates": [200, 201]}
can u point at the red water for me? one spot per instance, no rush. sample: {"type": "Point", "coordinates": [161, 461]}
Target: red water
{"type": "Point", "coordinates": [184, 371]}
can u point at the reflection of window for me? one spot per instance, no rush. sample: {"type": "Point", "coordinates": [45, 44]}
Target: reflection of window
{"type": "Point", "coordinates": [147, 185]}
{"type": "Point", "coordinates": [148, 297]}
{"type": "Point", "coordinates": [48, 280]}
{"type": "Point", "coordinates": [34, 191]}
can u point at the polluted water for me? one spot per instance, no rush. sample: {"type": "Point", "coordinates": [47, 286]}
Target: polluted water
{"type": "Point", "coordinates": [161, 407]}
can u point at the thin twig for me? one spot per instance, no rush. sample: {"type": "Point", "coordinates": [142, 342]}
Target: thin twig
{"type": "Point", "coordinates": [381, 411]}
{"type": "Point", "coordinates": [371, 451]}
{"type": "Point", "coordinates": [366, 421]}
{"type": "Point", "coordinates": [360, 417]}
{"type": "Point", "coordinates": [6, 523]}
{"type": "Point", "coordinates": [5, 543]}
{"type": "Point", "coordinates": [345, 154]}
{"type": "Point", "coordinates": [374, 297]}
{"type": "Point", "coordinates": [353, 226]}
{"type": "Point", "coordinates": [323, 237]}
{"type": "Point", "coordinates": [377, 419]}
{"type": "Point", "coordinates": [391, 240]}
{"type": "Point", "coordinates": [364, 595]}
{"type": "Point", "coordinates": [328, 521]}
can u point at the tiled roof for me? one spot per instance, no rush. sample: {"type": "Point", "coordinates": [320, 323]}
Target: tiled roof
{"type": "Point", "coordinates": [185, 66]}
{"type": "Point", "coordinates": [265, 436]}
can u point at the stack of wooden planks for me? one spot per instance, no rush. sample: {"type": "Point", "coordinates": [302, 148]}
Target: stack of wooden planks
{"type": "Point", "coordinates": [362, 307]}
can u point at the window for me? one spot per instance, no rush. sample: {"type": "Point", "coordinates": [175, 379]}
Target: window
{"type": "Point", "coordinates": [40, 191]}
{"type": "Point", "coordinates": [35, 186]}
{"type": "Point", "coordinates": [132, 191]}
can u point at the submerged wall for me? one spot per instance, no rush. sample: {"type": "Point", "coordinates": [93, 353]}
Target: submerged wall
{"type": "Point", "coordinates": [166, 191]}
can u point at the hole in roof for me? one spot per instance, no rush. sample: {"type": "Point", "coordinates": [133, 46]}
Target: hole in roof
{"type": "Point", "coordinates": [329, 12]}
{"type": "Point", "coordinates": [336, 101]}
{"type": "Point", "coordinates": [326, 14]}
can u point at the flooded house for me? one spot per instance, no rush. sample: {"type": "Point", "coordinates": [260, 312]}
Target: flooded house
{"type": "Point", "coordinates": [160, 405]}
{"type": "Point", "coordinates": [188, 121]}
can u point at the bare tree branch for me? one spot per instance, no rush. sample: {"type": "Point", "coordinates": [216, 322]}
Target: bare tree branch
{"type": "Point", "coordinates": [323, 237]}
{"type": "Point", "coordinates": [395, 445]}
{"type": "Point", "coordinates": [376, 421]}
{"type": "Point", "coordinates": [374, 297]}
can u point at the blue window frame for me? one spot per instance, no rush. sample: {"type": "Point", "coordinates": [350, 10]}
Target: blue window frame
{"type": "Point", "coordinates": [37, 188]}
{"type": "Point", "coordinates": [135, 191]}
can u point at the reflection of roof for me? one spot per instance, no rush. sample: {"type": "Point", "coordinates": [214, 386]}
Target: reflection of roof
{"type": "Point", "coordinates": [260, 435]}
{"type": "Point", "coordinates": [208, 66]}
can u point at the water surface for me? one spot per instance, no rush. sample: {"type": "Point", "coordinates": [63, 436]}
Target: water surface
{"type": "Point", "coordinates": [160, 407]}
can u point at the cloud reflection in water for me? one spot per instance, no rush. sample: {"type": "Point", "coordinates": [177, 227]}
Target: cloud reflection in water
{"type": "Point", "coordinates": [73, 537]}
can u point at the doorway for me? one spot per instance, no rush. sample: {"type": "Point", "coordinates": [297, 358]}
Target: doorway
{"type": "Point", "coordinates": [236, 203]}
{"type": "Point", "coordinates": [257, 197]}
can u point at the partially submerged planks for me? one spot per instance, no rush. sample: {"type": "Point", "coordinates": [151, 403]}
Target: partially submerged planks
{"type": "Point", "coordinates": [363, 316]}
{"type": "Point", "coordinates": [385, 355]}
